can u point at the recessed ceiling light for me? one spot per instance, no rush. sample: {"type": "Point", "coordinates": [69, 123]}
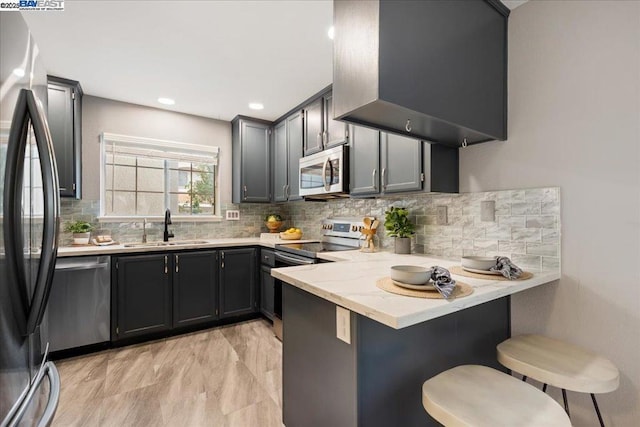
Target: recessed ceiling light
{"type": "Point", "coordinates": [331, 32]}
{"type": "Point", "coordinates": [18, 72]}
{"type": "Point", "coordinates": [166, 101]}
{"type": "Point", "coordinates": [256, 106]}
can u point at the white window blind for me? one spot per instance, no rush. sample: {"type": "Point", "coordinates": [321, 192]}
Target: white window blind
{"type": "Point", "coordinates": [143, 177]}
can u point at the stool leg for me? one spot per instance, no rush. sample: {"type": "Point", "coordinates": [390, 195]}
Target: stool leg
{"type": "Point", "coordinates": [544, 388]}
{"type": "Point", "coordinates": [566, 403]}
{"type": "Point", "coordinates": [595, 405]}
{"type": "Point", "coordinates": [524, 378]}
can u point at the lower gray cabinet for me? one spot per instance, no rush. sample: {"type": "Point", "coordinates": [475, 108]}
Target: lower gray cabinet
{"type": "Point", "coordinates": [195, 280]}
{"type": "Point", "coordinates": [237, 282]}
{"type": "Point", "coordinates": [143, 295]}
{"type": "Point", "coordinates": [267, 292]}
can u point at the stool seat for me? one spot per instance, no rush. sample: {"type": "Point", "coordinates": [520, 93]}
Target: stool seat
{"type": "Point", "coordinates": [559, 364]}
{"type": "Point", "coordinates": [472, 395]}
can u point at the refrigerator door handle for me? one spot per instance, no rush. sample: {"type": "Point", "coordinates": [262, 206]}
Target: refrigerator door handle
{"type": "Point", "coordinates": [12, 211]}
{"type": "Point", "coordinates": [51, 223]}
{"type": "Point", "coordinates": [49, 370]}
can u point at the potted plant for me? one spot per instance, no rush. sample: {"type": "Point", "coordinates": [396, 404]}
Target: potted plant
{"type": "Point", "coordinates": [398, 225]}
{"type": "Point", "coordinates": [81, 232]}
{"type": "Point", "coordinates": [273, 222]}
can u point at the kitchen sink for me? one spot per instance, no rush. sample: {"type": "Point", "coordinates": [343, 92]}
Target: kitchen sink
{"type": "Point", "coordinates": [165, 244]}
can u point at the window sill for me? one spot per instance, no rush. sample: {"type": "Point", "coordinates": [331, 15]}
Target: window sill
{"type": "Point", "coordinates": [174, 218]}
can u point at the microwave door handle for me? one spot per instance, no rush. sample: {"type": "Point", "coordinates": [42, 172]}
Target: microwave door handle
{"type": "Point", "coordinates": [326, 165]}
{"type": "Point", "coordinates": [12, 211]}
{"type": "Point", "coordinates": [51, 223]}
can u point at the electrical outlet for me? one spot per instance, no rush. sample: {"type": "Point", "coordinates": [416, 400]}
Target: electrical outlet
{"type": "Point", "coordinates": [441, 218]}
{"type": "Point", "coordinates": [232, 215]}
{"type": "Point", "coordinates": [343, 324]}
{"type": "Point", "coordinates": [488, 211]}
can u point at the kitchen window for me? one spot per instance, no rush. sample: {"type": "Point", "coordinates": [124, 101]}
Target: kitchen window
{"type": "Point", "coordinates": [142, 177]}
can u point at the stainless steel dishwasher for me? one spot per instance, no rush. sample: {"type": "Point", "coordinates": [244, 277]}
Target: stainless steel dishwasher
{"type": "Point", "coordinates": [79, 308]}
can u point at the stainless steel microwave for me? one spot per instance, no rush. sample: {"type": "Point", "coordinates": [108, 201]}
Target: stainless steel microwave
{"type": "Point", "coordinates": [325, 174]}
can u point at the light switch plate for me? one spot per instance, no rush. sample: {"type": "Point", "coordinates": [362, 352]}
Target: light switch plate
{"type": "Point", "coordinates": [343, 324]}
{"type": "Point", "coordinates": [441, 218]}
{"type": "Point", "coordinates": [488, 211]}
{"type": "Point", "coordinates": [232, 215]}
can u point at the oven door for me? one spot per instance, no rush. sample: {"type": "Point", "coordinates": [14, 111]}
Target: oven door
{"type": "Point", "coordinates": [324, 172]}
{"type": "Point", "coordinates": [284, 259]}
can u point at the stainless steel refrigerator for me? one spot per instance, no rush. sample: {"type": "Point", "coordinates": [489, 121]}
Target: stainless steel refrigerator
{"type": "Point", "coordinates": [29, 209]}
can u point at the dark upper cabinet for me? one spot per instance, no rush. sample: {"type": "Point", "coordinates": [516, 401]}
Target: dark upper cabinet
{"type": "Point", "coordinates": [364, 161]}
{"type": "Point", "coordinates": [280, 168]}
{"type": "Point", "coordinates": [383, 163]}
{"type": "Point", "coordinates": [401, 161]}
{"type": "Point", "coordinates": [251, 177]}
{"type": "Point", "coordinates": [295, 137]}
{"type": "Point", "coordinates": [64, 114]}
{"type": "Point", "coordinates": [335, 132]}
{"type": "Point", "coordinates": [195, 290]}
{"type": "Point", "coordinates": [237, 282]}
{"type": "Point", "coordinates": [143, 295]}
{"type": "Point", "coordinates": [320, 130]}
{"type": "Point", "coordinates": [313, 124]}
{"type": "Point", "coordinates": [433, 70]}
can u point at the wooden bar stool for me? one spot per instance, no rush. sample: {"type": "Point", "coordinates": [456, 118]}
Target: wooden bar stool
{"type": "Point", "coordinates": [473, 395]}
{"type": "Point", "coordinates": [561, 365]}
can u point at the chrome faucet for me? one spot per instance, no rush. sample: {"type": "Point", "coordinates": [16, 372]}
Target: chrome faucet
{"type": "Point", "coordinates": [167, 221]}
{"type": "Point", "coordinates": [144, 230]}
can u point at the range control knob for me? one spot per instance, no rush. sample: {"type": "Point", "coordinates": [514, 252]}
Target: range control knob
{"type": "Point", "coordinates": [330, 226]}
{"type": "Point", "coordinates": [360, 228]}
{"type": "Point", "coordinates": [354, 228]}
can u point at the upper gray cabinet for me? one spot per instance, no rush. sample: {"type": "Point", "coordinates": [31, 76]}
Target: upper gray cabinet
{"type": "Point", "coordinates": [287, 151]}
{"type": "Point", "coordinates": [251, 165]}
{"type": "Point", "coordinates": [433, 70]}
{"type": "Point", "coordinates": [382, 163]}
{"type": "Point", "coordinates": [65, 123]}
{"type": "Point", "coordinates": [320, 130]}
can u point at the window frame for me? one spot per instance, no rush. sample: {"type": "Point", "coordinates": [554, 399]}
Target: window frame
{"type": "Point", "coordinates": [174, 147]}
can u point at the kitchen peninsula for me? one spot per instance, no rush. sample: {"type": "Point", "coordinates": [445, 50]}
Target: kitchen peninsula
{"type": "Point", "coordinates": [394, 343]}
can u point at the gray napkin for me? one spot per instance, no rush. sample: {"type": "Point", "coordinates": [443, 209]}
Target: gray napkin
{"type": "Point", "coordinates": [442, 281]}
{"type": "Point", "coordinates": [507, 268]}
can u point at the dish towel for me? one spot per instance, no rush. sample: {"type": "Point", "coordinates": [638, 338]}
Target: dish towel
{"type": "Point", "coordinates": [507, 268]}
{"type": "Point", "coordinates": [442, 281]}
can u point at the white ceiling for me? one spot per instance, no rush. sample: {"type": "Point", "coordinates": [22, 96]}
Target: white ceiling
{"type": "Point", "coordinates": [212, 57]}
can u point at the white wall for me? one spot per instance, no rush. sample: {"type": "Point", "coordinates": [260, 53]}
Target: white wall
{"type": "Point", "coordinates": [574, 121]}
{"type": "Point", "coordinates": [105, 115]}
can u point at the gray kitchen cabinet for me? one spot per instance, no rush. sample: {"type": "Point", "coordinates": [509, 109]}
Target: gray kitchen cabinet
{"type": "Point", "coordinates": [64, 113]}
{"type": "Point", "coordinates": [433, 70]}
{"type": "Point", "coordinates": [237, 282]}
{"type": "Point", "coordinates": [383, 163]}
{"type": "Point", "coordinates": [335, 132]}
{"type": "Point", "coordinates": [143, 297]}
{"type": "Point", "coordinates": [321, 131]}
{"type": "Point", "coordinates": [295, 137]}
{"type": "Point", "coordinates": [251, 177]}
{"type": "Point", "coordinates": [440, 168]}
{"type": "Point", "coordinates": [280, 168]}
{"type": "Point", "coordinates": [267, 283]}
{"type": "Point", "coordinates": [195, 287]}
{"type": "Point", "coordinates": [313, 122]}
{"type": "Point", "coordinates": [364, 161]}
{"type": "Point", "coordinates": [401, 160]}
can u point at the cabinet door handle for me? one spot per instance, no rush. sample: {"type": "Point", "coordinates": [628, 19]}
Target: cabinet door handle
{"type": "Point", "coordinates": [222, 256]}
{"type": "Point", "coordinates": [177, 263]}
{"type": "Point", "coordinates": [166, 264]}
{"type": "Point", "coordinates": [325, 137]}
{"type": "Point", "coordinates": [319, 138]}
{"type": "Point", "coordinates": [244, 192]}
{"type": "Point", "coordinates": [373, 178]}
{"type": "Point", "coordinates": [384, 182]}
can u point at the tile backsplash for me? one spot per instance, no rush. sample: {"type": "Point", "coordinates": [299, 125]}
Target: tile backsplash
{"type": "Point", "coordinates": [526, 225]}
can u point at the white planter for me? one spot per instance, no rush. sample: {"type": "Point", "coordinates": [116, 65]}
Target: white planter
{"type": "Point", "coordinates": [81, 238]}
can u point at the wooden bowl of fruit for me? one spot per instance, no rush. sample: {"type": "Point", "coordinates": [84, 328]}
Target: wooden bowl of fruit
{"type": "Point", "coordinates": [291, 234]}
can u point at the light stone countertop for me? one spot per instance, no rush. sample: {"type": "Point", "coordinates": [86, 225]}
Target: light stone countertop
{"type": "Point", "coordinates": [351, 283]}
{"type": "Point", "coordinates": [265, 240]}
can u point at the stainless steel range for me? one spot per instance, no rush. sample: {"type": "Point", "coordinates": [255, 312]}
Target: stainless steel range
{"type": "Point", "coordinates": [338, 234]}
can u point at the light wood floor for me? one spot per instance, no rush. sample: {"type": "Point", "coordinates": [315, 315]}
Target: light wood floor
{"type": "Point", "coordinates": [224, 377]}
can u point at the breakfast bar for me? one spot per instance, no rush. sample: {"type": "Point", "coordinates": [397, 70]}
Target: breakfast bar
{"type": "Point", "coordinates": [356, 355]}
